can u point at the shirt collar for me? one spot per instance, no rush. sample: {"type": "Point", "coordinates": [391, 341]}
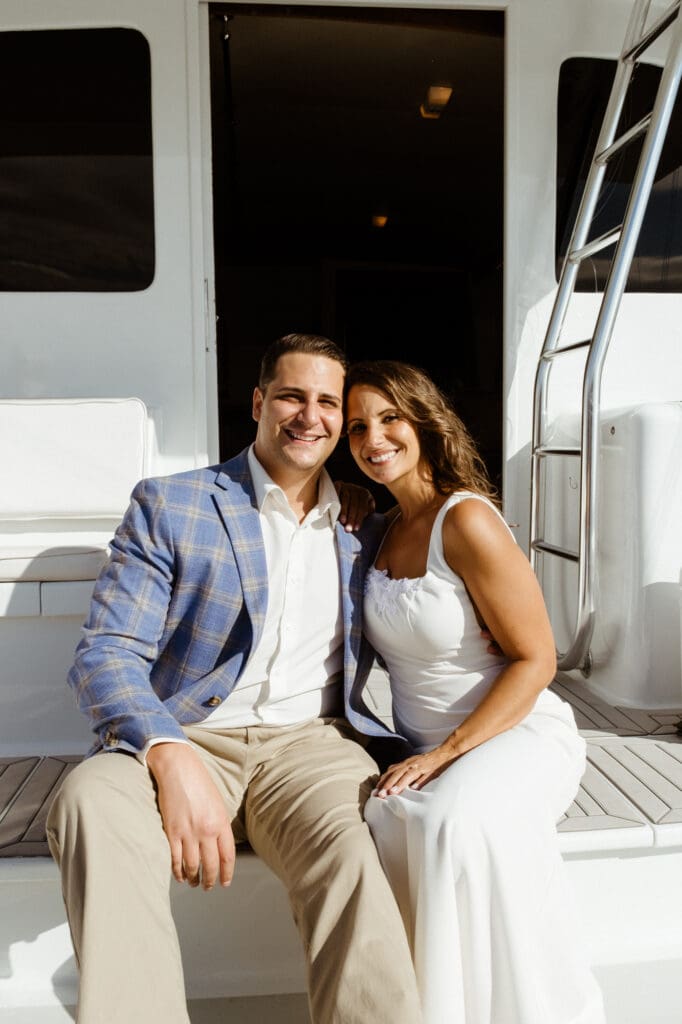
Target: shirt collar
{"type": "Point", "coordinates": [265, 488]}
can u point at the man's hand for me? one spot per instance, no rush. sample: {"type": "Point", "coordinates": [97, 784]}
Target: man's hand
{"type": "Point", "coordinates": [356, 504]}
{"type": "Point", "coordinates": [194, 816]}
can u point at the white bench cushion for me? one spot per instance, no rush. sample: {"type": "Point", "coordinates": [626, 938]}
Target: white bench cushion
{"type": "Point", "coordinates": [67, 467]}
{"type": "Point", "coordinates": [70, 458]}
{"type": "Point", "coordinates": [50, 561]}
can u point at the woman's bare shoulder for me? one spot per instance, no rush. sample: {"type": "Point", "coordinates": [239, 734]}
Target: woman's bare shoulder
{"type": "Point", "coordinates": [473, 513]}
{"type": "Point", "coordinates": [473, 528]}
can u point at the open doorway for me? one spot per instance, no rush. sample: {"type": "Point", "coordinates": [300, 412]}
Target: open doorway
{"type": "Point", "coordinates": [352, 202]}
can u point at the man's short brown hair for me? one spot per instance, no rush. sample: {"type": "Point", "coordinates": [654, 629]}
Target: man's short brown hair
{"type": "Point", "coordinates": [310, 344]}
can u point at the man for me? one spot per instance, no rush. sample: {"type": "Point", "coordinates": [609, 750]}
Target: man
{"type": "Point", "coordinates": [224, 638]}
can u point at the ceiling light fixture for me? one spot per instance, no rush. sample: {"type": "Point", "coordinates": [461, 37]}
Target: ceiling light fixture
{"type": "Point", "coordinates": [437, 99]}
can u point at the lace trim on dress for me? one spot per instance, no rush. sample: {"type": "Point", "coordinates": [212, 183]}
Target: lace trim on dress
{"type": "Point", "coordinates": [385, 592]}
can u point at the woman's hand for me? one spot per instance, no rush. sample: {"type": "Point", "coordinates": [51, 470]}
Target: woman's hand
{"type": "Point", "coordinates": [415, 772]}
{"type": "Point", "coordinates": [493, 646]}
{"type": "Point", "coordinates": [356, 504]}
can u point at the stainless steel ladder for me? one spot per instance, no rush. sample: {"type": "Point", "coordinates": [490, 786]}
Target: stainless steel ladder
{"type": "Point", "coordinates": [653, 128]}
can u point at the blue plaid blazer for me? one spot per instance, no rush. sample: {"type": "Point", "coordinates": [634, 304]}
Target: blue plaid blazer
{"type": "Point", "coordinates": [181, 603]}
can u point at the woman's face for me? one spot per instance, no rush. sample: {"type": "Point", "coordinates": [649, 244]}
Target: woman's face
{"type": "Point", "coordinates": [382, 442]}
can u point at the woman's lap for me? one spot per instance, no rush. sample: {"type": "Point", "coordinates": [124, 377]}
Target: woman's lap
{"type": "Point", "coordinates": [532, 771]}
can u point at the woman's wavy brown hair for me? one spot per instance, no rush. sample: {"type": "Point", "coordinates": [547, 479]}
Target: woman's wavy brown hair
{"type": "Point", "coordinates": [445, 442]}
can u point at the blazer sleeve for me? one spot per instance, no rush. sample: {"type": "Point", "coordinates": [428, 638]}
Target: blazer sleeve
{"type": "Point", "coordinates": [111, 672]}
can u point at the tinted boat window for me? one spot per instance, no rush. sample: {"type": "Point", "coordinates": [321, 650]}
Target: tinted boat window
{"type": "Point", "coordinates": [584, 87]}
{"type": "Point", "coordinates": [76, 194]}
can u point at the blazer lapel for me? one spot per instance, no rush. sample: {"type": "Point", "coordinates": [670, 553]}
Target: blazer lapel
{"type": "Point", "coordinates": [352, 582]}
{"type": "Point", "coordinates": [236, 503]}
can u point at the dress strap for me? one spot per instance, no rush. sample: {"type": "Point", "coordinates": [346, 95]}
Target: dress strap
{"type": "Point", "coordinates": [436, 556]}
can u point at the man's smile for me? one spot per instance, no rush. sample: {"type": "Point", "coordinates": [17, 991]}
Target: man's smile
{"type": "Point", "coordinates": [295, 436]}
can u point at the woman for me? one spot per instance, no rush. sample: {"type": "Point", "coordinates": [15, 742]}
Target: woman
{"type": "Point", "coordinates": [466, 827]}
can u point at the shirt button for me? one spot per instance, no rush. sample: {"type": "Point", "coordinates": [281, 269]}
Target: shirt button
{"type": "Point", "coordinates": [213, 702]}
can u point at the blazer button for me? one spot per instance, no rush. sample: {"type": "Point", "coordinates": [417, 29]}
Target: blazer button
{"type": "Point", "coordinates": [213, 702]}
{"type": "Point", "coordinates": [110, 739]}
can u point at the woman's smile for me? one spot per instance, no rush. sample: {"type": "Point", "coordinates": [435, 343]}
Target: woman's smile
{"type": "Point", "coordinates": [383, 443]}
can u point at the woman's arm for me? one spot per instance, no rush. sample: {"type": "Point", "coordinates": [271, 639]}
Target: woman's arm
{"type": "Point", "coordinates": [506, 593]}
{"type": "Point", "coordinates": [504, 589]}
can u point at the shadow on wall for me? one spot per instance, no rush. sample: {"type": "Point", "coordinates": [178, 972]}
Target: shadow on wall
{"type": "Point", "coordinates": [36, 957]}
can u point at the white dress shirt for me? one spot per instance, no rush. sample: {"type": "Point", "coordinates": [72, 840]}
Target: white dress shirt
{"type": "Point", "coordinates": [294, 673]}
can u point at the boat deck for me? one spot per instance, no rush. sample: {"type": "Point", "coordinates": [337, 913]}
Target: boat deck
{"type": "Point", "coordinates": [27, 785]}
{"type": "Point", "coordinates": [621, 839]}
{"type": "Point", "coordinates": [631, 793]}
{"type": "Point", "coordinates": [630, 796]}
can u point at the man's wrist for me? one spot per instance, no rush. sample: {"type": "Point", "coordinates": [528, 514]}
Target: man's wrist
{"type": "Point", "coordinates": [155, 744]}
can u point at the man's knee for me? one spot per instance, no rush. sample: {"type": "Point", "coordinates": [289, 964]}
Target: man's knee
{"type": "Point", "coordinates": [71, 796]}
{"type": "Point", "coordinates": [108, 788]}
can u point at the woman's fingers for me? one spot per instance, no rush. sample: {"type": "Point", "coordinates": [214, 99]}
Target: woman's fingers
{"type": "Point", "coordinates": [413, 773]}
{"type": "Point", "coordinates": [398, 777]}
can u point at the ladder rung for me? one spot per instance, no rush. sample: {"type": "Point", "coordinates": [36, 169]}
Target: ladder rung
{"type": "Point", "coordinates": [552, 549]}
{"type": "Point", "coordinates": [556, 449]}
{"type": "Point", "coordinates": [620, 143]}
{"type": "Point", "coordinates": [596, 246]}
{"type": "Point", "coordinates": [653, 126]}
{"type": "Point", "coordinates": [551, 353]}
{"type": "Point", "coordinates": [652, 34]}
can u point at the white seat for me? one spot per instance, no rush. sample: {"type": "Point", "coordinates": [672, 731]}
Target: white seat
{"type": "Point", "coordinates": [37, 560]}
{"type": "Point", "coordinates": [67, 468]}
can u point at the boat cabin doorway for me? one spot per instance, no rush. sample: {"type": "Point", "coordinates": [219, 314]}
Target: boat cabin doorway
{"type": "Point", "coordinates": [358, 186]}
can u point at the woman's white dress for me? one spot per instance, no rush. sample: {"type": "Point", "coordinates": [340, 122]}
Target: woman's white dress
{"type": "Point", "coordinates": [473, 857]}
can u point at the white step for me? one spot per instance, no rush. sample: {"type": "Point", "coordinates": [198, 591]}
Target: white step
{"type": "Point", "coordinates": [622, 845]}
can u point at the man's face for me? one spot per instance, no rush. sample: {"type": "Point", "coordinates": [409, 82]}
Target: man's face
{"type": "Point", "coordinates": [299, 416]}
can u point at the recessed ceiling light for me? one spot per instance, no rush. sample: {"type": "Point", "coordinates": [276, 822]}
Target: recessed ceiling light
{"type": "Point", "coordinates": [437, 99]}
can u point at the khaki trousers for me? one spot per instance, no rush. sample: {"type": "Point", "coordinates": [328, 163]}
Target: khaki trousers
{"type": "Point", "coordinates": [297, 795]}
